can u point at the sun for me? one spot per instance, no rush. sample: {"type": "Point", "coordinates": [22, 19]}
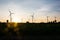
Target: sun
{"type": "Point", "coordinates": [16, 19]}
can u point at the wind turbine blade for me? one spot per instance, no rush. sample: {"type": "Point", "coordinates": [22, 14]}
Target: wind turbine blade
{"type": "Point", "coordinates": [9, 11]}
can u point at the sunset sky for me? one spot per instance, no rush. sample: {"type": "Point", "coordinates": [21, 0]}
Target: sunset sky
{"type": "Point", "coordinates": [23, 9]}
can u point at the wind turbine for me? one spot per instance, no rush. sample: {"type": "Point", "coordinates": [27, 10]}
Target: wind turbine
{"type": "Point", "coordinates": [47, 19]}
{"type": "Point", "coordinates": [32, 17]}
{"type": "Point", "coordinates": [55, 19]}
{"type": "Point", "coordinates": [10, 15]}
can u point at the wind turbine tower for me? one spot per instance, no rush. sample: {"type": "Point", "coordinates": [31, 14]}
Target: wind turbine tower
{"type": "Point", "coordinates": [47, 19]}
{"type": "Point", "coordinates": [55, 19]}
{"type": "Point", "coordinates": [32, 17]}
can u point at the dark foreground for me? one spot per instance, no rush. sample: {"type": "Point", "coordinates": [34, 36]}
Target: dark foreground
{"type": "Point", "coordinates": [29, 31]}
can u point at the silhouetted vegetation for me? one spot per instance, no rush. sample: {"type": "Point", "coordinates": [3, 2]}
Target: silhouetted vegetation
{"type": "Point", "coordinates": [25, 29]}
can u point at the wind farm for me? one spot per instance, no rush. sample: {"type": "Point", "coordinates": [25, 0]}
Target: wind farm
{"type": "Point", "coordinates": [29, 19]}
{"type": "Point", "coordinates": [20, 30]}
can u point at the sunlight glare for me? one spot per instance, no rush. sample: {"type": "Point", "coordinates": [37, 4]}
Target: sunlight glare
{"type": "Point", "coordinates": [16, 19]}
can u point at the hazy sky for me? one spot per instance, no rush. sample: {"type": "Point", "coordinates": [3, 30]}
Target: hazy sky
{"type": "Point", "coordinates": [23, 9]}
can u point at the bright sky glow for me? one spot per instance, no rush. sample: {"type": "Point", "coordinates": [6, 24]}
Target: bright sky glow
{"type": "Point", "coordinates": [16, 19]}
{"type": "Point", "coordinates": [23, 9]}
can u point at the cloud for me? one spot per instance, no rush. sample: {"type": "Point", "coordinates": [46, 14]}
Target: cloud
{"type": "Point", "coordinates": [27, 7]}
